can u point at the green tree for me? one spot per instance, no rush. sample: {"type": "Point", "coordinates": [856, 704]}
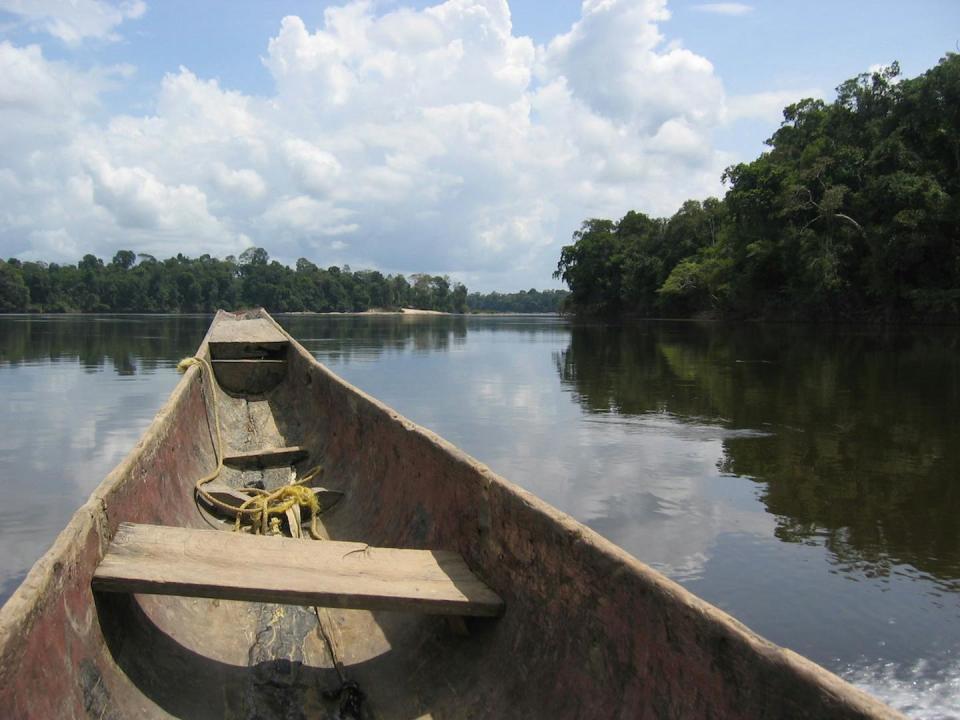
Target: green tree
{"type": "Point", "coordinates": [399, 291]}
{"type": "Point", "coordinates": [458, 298]}
{"type": "Point", "coordinates": [851, 214]}
{"type": "Point", "coordinates": [420, 292]}
{"type": "Point", "coordinates": [124, 259]}
{"type": "Point", "coordinates": [591, 267]}
{"type": "Point", "coordinates": [440, 293]}
{"type": "Point", "coordinates": [14, 295]}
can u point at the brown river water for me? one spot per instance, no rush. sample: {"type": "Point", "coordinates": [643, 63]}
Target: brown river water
{"type": "Point", "coordinates": [804, 479]}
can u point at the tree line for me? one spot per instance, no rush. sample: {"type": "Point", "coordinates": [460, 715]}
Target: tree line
{"type": "Point", "coordinates": [141, 283]}
{"type": "Point", "coordinates": [524, 301]}
{"type": "Point", "coordinates": [853, 214]}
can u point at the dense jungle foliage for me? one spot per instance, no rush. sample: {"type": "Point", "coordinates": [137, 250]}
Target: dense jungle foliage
{"type": "Point", "coordinates": [524, 301]}
{"type": "Point", "coordinates": [853, 214]}
{"type": "Point", "coordinates": [132, 283]}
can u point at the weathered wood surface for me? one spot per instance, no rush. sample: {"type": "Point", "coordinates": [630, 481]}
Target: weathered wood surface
{"type": "Point", "coordinates": [246, 339]}
{"type": "Point", "coordinates": [258, 330]}
{"type": "Point", "coordinates": [249, 375]}
{"type": "Point", "coordinates": [267, 457]}
{"type": "Point", "coordinates": [231, 566]}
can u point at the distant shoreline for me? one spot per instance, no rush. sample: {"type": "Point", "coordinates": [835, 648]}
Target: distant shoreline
{"type": "Point", "coordinates": [415, 311]}
{"type": "Point", "coordinates": [374, 311]}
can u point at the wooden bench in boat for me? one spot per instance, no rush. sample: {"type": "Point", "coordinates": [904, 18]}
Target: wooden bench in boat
{"type": "Point", "coordinates": [268, 457]}
{"type": "Point", "coordinates": [248, 356]}
{"type": "Point", "coordinates": [245, 339]}
{"type": "Point", "coordinates": [234, 566]}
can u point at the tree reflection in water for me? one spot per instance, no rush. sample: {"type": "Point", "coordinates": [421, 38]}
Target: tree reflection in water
{"type": "Point", "coordinates": [858, 445]}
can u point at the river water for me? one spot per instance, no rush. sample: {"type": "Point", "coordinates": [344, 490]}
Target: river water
{"type": "Point", "coordinates": [806, 480]}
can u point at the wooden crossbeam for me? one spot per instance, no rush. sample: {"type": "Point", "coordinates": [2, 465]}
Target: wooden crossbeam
{"type": "Point", "coordinates": [234, 566]}
{"type": "Point", "coordinates": [254, 330]}
{"type": "Point", "coordinates": [239, 339]}
{"type": "Point", "coordinates": [267, 457]}
{"type": "Point", "coordinates": [249, 376]}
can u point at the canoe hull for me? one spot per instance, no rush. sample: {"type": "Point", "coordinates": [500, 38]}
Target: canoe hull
{"type": "Point", "coordinates": [588, 630]}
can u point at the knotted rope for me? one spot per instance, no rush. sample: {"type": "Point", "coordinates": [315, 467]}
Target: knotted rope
{"type": "Point", "coordinates": [263, 504]}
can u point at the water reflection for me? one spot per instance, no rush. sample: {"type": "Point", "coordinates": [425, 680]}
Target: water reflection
{"type": "Point", "coordinates": [77, 392]}
{"type": "Point", "coordinates": [126, 343]}
{"type": "Point", "coordinates": [348, 338]}
{"type": "Point", "coordinates": [850, 435]}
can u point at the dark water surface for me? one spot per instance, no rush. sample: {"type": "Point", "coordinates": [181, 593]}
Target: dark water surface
{"type": "Point", "coordinates": [805, 480]}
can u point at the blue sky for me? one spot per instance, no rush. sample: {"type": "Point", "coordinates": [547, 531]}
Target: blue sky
{"type": "Point", "coordinates": [469, 137]}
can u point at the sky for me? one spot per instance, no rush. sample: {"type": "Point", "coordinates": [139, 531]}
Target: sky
{"type": "Point", "coordinates": [467, 137]}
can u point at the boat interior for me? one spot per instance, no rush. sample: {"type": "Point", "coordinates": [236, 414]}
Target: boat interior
{"type": "Point", "coordinates": [212, 657]}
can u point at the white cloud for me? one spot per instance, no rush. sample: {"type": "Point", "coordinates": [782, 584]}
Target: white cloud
{"type": "Point", "coordinates": [724, 8]}
{"type": "Point", "coordinates": [32, 86]}
{"type": "Point", "coordinates": [139, 200]}
{"type": "Point", "coordinates": [73, 21]}
{"type": "Point", "coordinates": [413, 140]}
{"type": "Point", "coordinates": [242, 182]}
{"type": "Point", "coordinates": [613, 63]}
{"type": "Point", "coordinates": [316, 170]}
{"type": "Point", "coordinates": [302, 214]}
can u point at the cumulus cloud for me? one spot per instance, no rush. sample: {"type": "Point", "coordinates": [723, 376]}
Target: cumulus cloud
{"type": "Point", "coordinates": [73, 21]}
{"type": "Point", "coordinates": [242, 183]}
{"type": "Point", "coordinates": [412, 140]}
{"type": "Point", "coordinates": [316, 170]}
{"type": "Point", "coordinates": [137, 199]}
{"type": "Point", "coordinates": [304, 215]}
{"type": "Point", "coordinates": [614, 62]}
{"type": "Point", "coordinates": [34, 89]}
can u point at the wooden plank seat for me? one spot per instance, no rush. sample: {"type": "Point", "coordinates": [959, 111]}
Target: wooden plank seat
{"type": "Point", "coordinates": [254, 338]}
{"type": "Point", "coordinates": [249, 355]}
{"type": "Point", "coordinates": [267, 457]}
{"type": "Point", "coordinates": [234, 566]}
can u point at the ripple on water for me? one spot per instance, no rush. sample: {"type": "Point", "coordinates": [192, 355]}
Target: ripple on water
{"type": "Point", "coordinates": [929, 689]}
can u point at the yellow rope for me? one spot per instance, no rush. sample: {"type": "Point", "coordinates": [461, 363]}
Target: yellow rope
{"type": "Point", "coordinates": [277, 503]}
{"type": "Point", "coordinates": [262, 503]}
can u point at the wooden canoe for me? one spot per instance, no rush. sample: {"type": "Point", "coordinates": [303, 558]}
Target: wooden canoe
{"type": "Point", "coordinates": [440, 590]}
